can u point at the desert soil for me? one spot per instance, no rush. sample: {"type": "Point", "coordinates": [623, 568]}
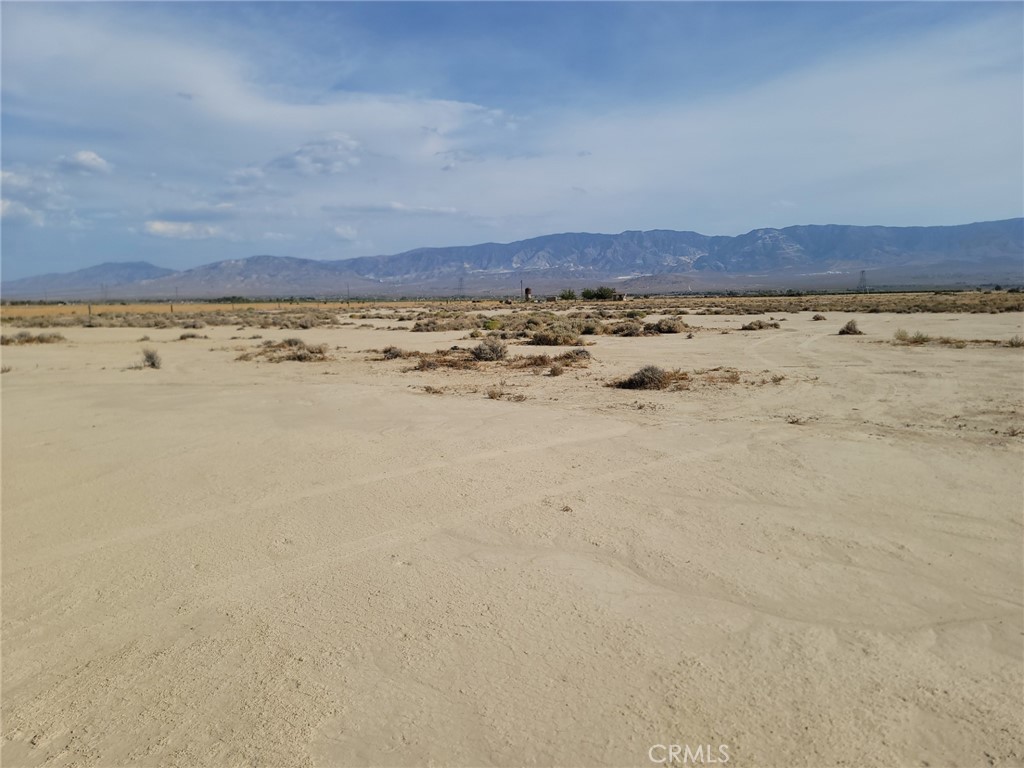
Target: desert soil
{"type": "Point", "coordinates": [240, 563]}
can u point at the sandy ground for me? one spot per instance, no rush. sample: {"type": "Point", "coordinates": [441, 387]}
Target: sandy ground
{"type": "Point", "coordinates": [236, 563]}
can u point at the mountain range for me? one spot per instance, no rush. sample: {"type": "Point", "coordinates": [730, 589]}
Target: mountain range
{"type": "Point", "coordinates": [824, 256]}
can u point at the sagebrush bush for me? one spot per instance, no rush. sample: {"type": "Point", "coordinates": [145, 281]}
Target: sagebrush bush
{"type": "Point", "coordinates": [490, 349]}
{"type": "Point", "coordinates": [1016, 341]}
{"type": "Point", "coordinates": [819, 317]}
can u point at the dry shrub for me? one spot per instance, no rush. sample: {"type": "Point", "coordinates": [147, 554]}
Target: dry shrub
{"type": "Point", "coordinates": [757, 325]}
{"type": "Point", "coordinates": [24, 337]}
{"type": "Point", "coordinates": [289, 350]}
{"type": "Point", "coordinates": [665, 325]}
{"type": "Point", "coordinates": [531, 361]}
{"type": "Point", "coordinates": [626, 328]}
{"type": "Point", "coordinates": [394, 353]}
{"type": "Point", "coordinates": [490, 349]}
{"type": "Point", "coordinates": [851, 329]}
{"type": "Point", "coordinates": [150, 359]}
{"type": "Point", "coordinates": [556, 370]}
{"type": "Point", "coordinates": [558, 335]}
{"type": "Point", "coordinates": [1016, 341]}
{"type": "Point", "coordinates": [819, 317]}
{"type": "Point", "coordinates": [648, 377]}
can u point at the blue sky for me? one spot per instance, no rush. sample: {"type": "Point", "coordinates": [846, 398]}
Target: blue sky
{"type": "Point", "coordinates": [187, 133]}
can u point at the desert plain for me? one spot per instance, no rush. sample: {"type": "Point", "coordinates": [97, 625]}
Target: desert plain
{"type": "Point", "coordinates": [807, 549]}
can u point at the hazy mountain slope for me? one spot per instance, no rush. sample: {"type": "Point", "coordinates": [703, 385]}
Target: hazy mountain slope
{"type": "Point", "coordinates": [793, 255]}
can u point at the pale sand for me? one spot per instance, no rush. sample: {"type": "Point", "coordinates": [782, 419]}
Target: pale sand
{"type": "Point", "coordinates": [231, 563]}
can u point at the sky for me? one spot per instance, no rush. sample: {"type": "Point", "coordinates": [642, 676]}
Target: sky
{"type": "Point", "coordinates": [186, 133]}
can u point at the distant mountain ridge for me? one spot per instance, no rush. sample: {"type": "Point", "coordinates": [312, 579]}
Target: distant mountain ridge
{"type": "Point", "coordinates": [650, 258]}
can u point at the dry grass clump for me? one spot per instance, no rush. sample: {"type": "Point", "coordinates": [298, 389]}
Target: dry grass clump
{"type": "Point", "coordinates": [293, 350]}
{"type": "Point", "coordinates": [569, 358]}
{"type": "Point", "coordinates": [905, 338]}
{"type": "Point", "coordinates": [490, 349]}
{"type": "Point", "coordinates": [819, 317]}
{"type": "Point", "coordinates": [6, 369]}
{"type": "Point", "coordinates": [500, 393]}
{"type": "Point", "coordinates": [556, 370]}
{"type": "Point", "coordinates": [394, 353]}
{"type": "Point", "coordinates": [187, 336]}
{"type": "Point", "coordinates": [24, 337]}
{"type": "Point", "coordinates": [456, 357]}
{"type": "Point", "coordinates": [1016, 341]}
{"type": "Point", "coordinates": [758, 325]}
{"type": "Point", "coordinates": [851, 329]}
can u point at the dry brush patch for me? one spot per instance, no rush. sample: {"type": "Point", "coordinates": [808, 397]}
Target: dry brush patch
{"type": "Point", "coordinates": [652, 377]}
{"type": "Point", "coordinates": [293, 350]}
{"type": "Point", "coordinates": [758, 325]}
{"type": "Point", "coordinates": [902, 338]}
{"type": "Point", "coordinates": [24, 337]}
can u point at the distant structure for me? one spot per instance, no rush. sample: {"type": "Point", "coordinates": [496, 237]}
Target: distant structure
{"type": "Point", "coordinates": [528, 294]}
{"type": "Point", "coordinates": [862, 286]}
{"type": "Point", "coordinates": [462, 287]}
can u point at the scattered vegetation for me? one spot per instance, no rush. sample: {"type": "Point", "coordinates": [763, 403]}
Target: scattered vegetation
{"type": "Point", "coordinates": [819, 317]}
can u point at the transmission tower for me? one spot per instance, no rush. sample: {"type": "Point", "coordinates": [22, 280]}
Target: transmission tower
{"type": "Point", "coordinates": [462, 287]}
{"type": "Point", "coordinates": [862, 286]}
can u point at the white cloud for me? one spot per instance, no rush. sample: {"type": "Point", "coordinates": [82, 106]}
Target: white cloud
{"type": "Point", "coordinates": [85, 162]}
{"type": "Point", "coordinates": [12, 209]}
{"type": "Point", "coordinates": [182, 230]}
{"type": "Point", "coordinates": [926, 130]}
